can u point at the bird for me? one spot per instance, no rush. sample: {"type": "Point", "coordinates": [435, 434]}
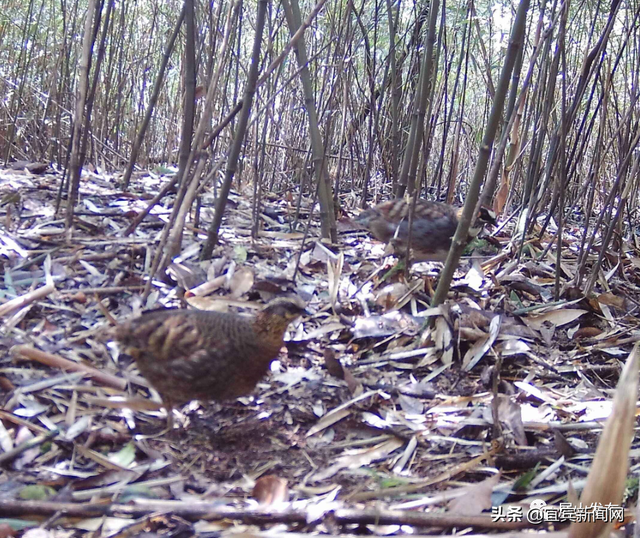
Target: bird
{"type": "Point", "coordinates": [434, 224]}
{"type": "Point", "coordinates": [200, 355]}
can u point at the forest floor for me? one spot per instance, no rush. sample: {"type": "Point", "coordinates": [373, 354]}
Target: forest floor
{"type": "Point", "coordinates": [371, 422]}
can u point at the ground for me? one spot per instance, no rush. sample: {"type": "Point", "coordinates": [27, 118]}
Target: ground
{"type": "Point", "coordinates": [367, 408]}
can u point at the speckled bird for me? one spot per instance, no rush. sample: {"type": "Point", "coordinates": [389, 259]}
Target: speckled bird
{"type": "Point", "coordinates": [199, 355]}
{"type": "Point", "coordinates": [434, 225]}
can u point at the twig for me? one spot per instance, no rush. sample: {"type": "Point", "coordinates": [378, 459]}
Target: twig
{"type": "Point", "coordinates": [413, 488]}
{"type": "Point", "coordinates": [36, 441]}
{"type": "Point", "coordinates": [27, 298]}
{"type": "Point", "coordinates": [213, 511]}
{"type": "Point", "coordinates": [64, 364]}
{"type": "Point", "coordinates": [163, 191]}
{"type": "Point", "coordinates": [14, 419]}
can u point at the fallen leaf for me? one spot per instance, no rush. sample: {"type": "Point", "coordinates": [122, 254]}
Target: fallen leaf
{"type": "Point", "coordinates": [476, 498]}
{"type": "Point", "coordinates": [241, 282]}
{"type": "Point", "coordinates": [270, 489]}
{"type": "Point", "coordinates": [558, 318]}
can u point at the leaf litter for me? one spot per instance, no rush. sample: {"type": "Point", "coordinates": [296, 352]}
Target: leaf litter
{"type": "Point", "coordinates": [372, 406]}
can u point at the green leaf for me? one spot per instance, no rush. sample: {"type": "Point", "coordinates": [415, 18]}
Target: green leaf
{"type": "Point", "coordinates": [523, 482]}
{"type": "Point", "coordinates": [240, 254]}
{"type": "Point", "coordinates": [124, 457]}
{"type": "Point", "coordinates": [18, 524]}
{"type": "Point", "coordinates": [137, 492]}
{"type": "Point", "coordinates": [36, 492]}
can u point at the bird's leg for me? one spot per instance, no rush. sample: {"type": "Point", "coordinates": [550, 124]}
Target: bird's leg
{"type": "Point", "coordinates": [169, 426]}
{"type": "Point", "coordinates": [182, 419]}
{"type": "Point", "coordinates": [169, 409]}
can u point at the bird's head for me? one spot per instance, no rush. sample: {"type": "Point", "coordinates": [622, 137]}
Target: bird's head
{"type": "Point", "coordinates": [285, 308]}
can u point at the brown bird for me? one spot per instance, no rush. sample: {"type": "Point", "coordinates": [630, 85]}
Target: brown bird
{"type": "Point", "coordinates": [199, 355]}
{"type": "Point", "coordinates": [434, 224]}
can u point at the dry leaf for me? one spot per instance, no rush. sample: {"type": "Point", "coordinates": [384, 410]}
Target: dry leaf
{"type": "Point", "coordinates": [270, 489]}
{"type": "Point", "coordinates": [334, 366]}
{"type": "Point", "coordinates": [557, 318]}
{"type": "Point", "coordinates": [359, 458]}
{"type": "Point", "coordinates": [443, 340]}
{"type": "Point", "coordinates": [480, 347]}
{"type": "Point", "coordinates": [241, 282]}
{"type": "Point", "coordinates": [476, 498]}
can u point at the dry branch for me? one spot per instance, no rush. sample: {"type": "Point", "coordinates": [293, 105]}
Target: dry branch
{"type": "Point", "coordinates": [55, 361]}
{"type": "Point", "coordinates": [213, 511]}
{"type": "Point", "coordinates": [27, 298]}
